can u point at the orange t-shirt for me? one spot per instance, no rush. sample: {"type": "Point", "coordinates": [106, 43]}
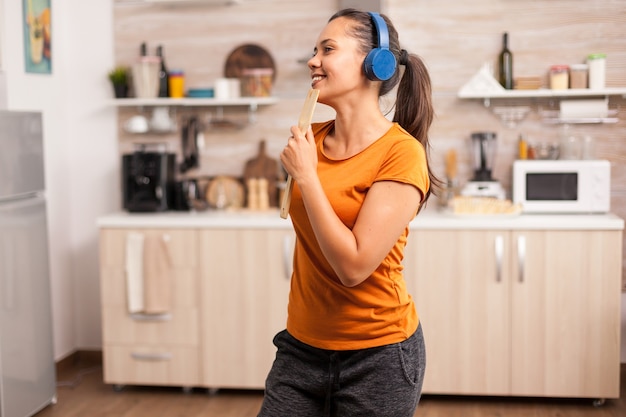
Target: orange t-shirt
{"type": "Point", "coordinates": [322, 311]}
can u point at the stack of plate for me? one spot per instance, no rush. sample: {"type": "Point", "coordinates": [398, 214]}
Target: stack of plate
{"type": "Point", "coordinates": [200, 93]}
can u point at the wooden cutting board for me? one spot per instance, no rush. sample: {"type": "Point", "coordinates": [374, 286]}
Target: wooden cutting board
{"type": "Point", "coordinates": [263, 166]}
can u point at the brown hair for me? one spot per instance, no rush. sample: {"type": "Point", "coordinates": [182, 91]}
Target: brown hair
{"type": "Point", "coordinates": [414, 107]}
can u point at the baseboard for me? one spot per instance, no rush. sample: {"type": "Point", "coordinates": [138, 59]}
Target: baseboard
{"type": "Point", "coordinates": [79, 359]}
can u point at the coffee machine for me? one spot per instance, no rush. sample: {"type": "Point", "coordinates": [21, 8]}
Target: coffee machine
{"type": "Point", "coordinates": [483, 147]}
{"type": "Point", "coordinates": [148, 178]}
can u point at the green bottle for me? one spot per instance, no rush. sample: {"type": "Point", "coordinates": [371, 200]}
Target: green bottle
{"type": "Point", "coordinates": [505, 64]}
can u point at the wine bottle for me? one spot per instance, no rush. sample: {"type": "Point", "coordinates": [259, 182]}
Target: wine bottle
{"type": "Point", "coordinates": [163, 75]}
{"type": "Point", "coordinates": [505, 64]}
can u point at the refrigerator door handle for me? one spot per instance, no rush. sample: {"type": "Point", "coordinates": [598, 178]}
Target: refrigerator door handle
{"type": "Point", "coordinates": [8, 292]}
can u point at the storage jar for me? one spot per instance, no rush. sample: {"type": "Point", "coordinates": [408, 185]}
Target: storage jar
{"type": "Point", "coordinates": [597, 71]}
{"type": "Point", "coordinates": [559, 77]}
{"type": "Point", "coordinates": [257, 82]}
{"type": "Point", "coordinates": [578, 75]}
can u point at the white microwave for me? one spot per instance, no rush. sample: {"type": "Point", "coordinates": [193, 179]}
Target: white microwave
{"type": "Point", "coordinates": [562, 186]}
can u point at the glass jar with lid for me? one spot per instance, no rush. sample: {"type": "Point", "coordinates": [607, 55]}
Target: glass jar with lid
{"type": "Point", "coordinates": [578, 75]}
{"type": "Point", "coordinates": [559, 77]}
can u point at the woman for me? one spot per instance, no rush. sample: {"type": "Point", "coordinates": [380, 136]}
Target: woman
{"type": "Point", "coordinates": [353, 344]}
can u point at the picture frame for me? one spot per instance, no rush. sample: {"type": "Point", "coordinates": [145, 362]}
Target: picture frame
{"type": "Point", "coordinates": [37, 36]}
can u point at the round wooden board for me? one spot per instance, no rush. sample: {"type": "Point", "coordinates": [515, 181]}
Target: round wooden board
{"type": "Point", "coordinates": [248, 56]}
{"type": "Point", "coordinates": [225, 192]}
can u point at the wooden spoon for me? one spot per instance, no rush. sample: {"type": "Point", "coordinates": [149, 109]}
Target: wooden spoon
{"type": "Point", "coordinates": [303, 124]}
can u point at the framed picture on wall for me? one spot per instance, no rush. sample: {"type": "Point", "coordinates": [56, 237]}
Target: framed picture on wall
{"type": "Point", "coordinates": [37, 36]}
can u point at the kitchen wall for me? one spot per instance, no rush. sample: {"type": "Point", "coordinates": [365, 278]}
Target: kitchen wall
{"type": "Point", "coordinates": [455, 38]}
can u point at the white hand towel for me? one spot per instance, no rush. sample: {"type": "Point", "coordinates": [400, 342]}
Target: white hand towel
{"type": "Point", "coordinates": [157, 275]}
{"type": "Point", "coordinates": [134, 272]}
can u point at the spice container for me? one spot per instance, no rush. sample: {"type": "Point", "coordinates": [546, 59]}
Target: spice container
{"type": "Point", "coordinates": [522, 148]}
{"type": "Point", "coordinates": [176, 82]}
{"type": "Point", "coordinates": [559, 77]}
{"type": "Point", "coordinates": [578, 75]}
{"type": "Point", "coordinates": [256, 82]}
{"type": "Point", "coordinates": [597, 70]}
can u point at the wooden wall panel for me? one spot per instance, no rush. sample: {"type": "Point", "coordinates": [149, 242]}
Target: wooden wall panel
{"type": "Point", "coordinates": [455, 38]}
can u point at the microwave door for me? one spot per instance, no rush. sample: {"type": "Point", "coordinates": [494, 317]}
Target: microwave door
{"type": "Point", "coordinates": [552, 186]}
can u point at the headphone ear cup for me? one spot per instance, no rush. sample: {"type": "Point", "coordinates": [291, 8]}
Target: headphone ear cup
{"type": "Point", "coordinates": [379, 64]}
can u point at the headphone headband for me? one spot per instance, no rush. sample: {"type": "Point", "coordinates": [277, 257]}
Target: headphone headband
{"type": "Point", "coordinates": [381, 29]}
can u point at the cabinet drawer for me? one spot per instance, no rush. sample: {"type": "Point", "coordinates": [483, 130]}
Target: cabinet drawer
{"type": "Point", "coordinates": [150, 365]}
{"type": "Point", "coordinates": [178, 328]}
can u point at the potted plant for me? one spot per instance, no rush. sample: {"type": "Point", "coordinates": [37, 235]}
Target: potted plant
{"type": "Point", "coordinates": [119, 78]}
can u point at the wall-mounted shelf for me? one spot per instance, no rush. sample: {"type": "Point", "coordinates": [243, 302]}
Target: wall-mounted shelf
{"type": "Point", "coordinates": [544, 92]}
{"type": "Point", "coordinates": [252, 103]}
{"type": "Point", "coordinates": [484, 86]}
{"type": "Point", "coordinates": [179, 2]}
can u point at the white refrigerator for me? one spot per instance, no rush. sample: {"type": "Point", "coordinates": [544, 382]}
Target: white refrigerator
{"type": "Point", "coordinates": [27, 368]}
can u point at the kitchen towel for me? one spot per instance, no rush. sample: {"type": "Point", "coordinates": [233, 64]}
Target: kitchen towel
{"type": "Point", "coordinates": [134, 272]}
{"type": "Point", "coordinates": [157, 275]}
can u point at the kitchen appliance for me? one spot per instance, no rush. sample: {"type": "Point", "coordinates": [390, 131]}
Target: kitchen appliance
{"type": "Point", "coordinates": [148, 178]}
{"type": "Point", "coordinates": [27, 368]}
{"type": "Point", "coordinates": [562, 186]}
{"type": "Point", "coordinates": [483, 154]}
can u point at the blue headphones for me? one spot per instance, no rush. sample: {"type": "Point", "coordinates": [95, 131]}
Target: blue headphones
{"type": "Point", "coordinates": [380, 63]}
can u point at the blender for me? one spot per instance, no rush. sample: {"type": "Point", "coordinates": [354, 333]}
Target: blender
{"type": "Point", "coordinates": [483, 147]}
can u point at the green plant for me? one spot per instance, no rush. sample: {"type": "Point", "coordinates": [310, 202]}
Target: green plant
{"type": "Point", "coordinates": [119, 75]}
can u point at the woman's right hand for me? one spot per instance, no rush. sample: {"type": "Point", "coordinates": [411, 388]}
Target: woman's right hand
{"type": "Point", "coordinates": [299, 157]}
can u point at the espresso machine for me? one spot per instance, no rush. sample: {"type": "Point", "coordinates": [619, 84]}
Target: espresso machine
{"type": "Point", "coordinates": [483, 147]}
{"type": "Point", "coordinates": [148, 178]}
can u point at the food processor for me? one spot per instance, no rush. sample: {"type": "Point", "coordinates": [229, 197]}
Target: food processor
{"type": "Point", "coordinates": [483, 148]}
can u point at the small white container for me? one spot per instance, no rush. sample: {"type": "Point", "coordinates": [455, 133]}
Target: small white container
{"type": "Point", "coordinates": [597, 71]}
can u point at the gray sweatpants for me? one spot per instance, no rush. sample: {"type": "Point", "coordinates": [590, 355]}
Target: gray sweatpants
{"type": "Point", "coordinates": [305, 381]}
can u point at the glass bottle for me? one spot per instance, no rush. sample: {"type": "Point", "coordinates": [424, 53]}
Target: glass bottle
{"type": "Point", "coordinates": [505, 64]}
{"type": "Point", "coordinates": [163, 76]}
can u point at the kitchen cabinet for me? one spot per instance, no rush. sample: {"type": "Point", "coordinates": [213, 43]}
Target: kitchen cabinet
{"type": "Point", "coordinates": [519, 312]}
{"type": "Point", "coordinates": [510, 306]}
{"type": "Point", "coordinates": [151, 349]}
{"type": "Point", "coordinates": [245, 285]}
{"type": "Point", "coordinates": [230, 291]}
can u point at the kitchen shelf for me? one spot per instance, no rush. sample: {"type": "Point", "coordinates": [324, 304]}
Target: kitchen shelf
{"type": "Point", "coordinates": [544, 92]}
{"type": "Point", "coordinates": [252, 103]}
{"type": "Point", "coordinates": [179, 2]}
{"type": "Point", "coordinates": [484, 86]}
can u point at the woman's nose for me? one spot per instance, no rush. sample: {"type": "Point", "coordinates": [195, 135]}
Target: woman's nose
{"type": "Point", "coordinates": [313, 62]}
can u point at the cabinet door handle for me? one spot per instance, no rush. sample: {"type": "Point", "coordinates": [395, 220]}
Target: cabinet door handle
{"type": "Point", "coordinates": [287, 258]}
{"type": "Point", "coordinates": [151, 356]}
{"type": "Point", "coordinates": [151, 317]}
{"type": "Point", "coordinates": [521, 257]}
{"type": "Point", "coordinates": [499, 252]}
